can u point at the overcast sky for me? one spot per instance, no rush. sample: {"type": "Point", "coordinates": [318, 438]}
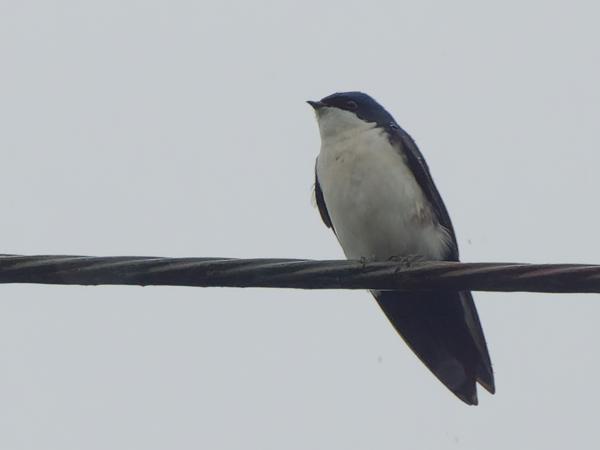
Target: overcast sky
{"type": "Point", "coordinates": [179, 128]}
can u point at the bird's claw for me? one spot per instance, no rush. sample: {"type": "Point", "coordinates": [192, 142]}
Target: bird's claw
{"type": "Point", "coordinates": [406, 260]}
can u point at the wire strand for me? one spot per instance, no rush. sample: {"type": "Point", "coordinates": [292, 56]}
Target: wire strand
{"type": "Point", "coordinates": [404, 274]}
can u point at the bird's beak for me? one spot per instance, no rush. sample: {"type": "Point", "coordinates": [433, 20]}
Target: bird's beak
{"type": "Point", "coordinates": [316, 105]}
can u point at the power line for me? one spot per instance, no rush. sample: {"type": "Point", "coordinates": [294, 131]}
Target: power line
{"type": "Point", "coordinates": [403, 274]}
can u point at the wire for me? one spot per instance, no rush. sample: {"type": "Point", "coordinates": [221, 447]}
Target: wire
{"type": "Point", "coordinates": [404, 274]}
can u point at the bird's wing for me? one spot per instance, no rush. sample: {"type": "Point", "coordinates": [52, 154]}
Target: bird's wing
{"type": "Point", "coordinates": [436, 327]}
{"type": "Point", "coordinates": [457, 310]}
{"type": "Point", "coordinates": [407, 147]}
{"type": "Point", "coordinates": [321, 202]}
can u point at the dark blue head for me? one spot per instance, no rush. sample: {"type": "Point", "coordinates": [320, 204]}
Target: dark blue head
{"type": "Point", "coordinates": [358, 103]}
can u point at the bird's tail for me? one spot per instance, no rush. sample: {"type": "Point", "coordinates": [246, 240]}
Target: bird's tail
{"type": "Point", "coordinates": [443, 330]}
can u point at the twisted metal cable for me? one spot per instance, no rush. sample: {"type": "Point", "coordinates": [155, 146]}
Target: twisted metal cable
{"type": "Point", "coordinates": [406, 274]}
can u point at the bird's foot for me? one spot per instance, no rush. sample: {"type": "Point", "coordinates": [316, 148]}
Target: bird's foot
{"type": "Point", "coordinates": [406, 260]}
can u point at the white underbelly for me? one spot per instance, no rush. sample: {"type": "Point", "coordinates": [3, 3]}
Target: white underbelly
{"type": "Point", "coordinates": [377, 208]}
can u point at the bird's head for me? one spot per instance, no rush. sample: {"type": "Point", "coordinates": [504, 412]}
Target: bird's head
{"type": "Point", "coordinates": [345, 112]}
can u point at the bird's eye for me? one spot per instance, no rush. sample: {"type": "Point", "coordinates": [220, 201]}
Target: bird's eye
{"type": "Point", "coordinates": [350, 104]}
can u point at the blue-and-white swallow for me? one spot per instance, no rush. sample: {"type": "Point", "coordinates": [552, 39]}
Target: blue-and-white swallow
{"type": "Point", "coordinates": [374, 190]}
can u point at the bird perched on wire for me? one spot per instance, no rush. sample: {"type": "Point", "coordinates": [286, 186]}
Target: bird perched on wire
{"type": "Point", "coordinates": [374, 190]}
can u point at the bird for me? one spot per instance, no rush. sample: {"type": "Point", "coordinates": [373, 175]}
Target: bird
{"type": "Point", "coordinates": [374, 190]}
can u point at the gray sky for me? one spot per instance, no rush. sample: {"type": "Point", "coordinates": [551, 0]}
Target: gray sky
{"type": "Point", "coordinates": [179, 128]}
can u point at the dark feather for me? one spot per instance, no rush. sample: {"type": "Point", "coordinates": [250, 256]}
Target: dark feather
{"type": "Point", "coordinates": [468, 318]}
{"type": "Point", "coordinates": [407, 147]}
{"type": "Point", "coordinates": [432, 326]}
{"type": "Point", "coordinates": [321, 202]}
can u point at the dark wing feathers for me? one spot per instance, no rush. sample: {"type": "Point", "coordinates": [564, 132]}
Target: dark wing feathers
{"type": "Point", "coordinates": [405, 144]}
{"type": "Point", "coordinates": [485, 374]}
{"type": "Point", "coordinates": [321, 202]}
{"type": "Point", "coordinates": [432, 324]}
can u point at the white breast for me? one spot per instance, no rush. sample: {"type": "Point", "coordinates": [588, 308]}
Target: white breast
{"type": "Point", "coordinates": [377, 208]}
